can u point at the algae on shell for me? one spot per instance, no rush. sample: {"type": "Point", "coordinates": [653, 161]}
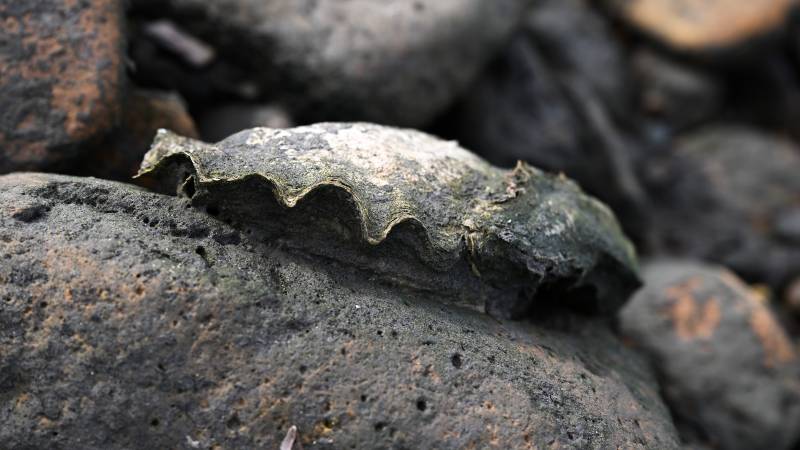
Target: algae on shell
{"type": "Point", "coordinates": [410, 209]}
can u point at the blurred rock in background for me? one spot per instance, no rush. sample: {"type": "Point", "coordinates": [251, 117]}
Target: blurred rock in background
{"type": "Point", "coordinates": [727, 368]}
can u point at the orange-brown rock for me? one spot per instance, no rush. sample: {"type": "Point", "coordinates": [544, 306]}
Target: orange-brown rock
{"type": "Point", "coordinates": [60, 79]}
{"type": "Point", "coordinates": [704, 24]}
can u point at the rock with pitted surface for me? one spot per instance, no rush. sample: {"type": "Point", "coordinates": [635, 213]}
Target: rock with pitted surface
{"type": "Point", "coordinates": [60, 79]}
{"type": "Point", "coordinates": [730, 195]}
{"type": "Point", "coordinates": [704, 25]}
{"type": "Point", "coordinates": [728, 369]}
{"type": "Point", "coordinates": [131, 319]}
{"type": "Point", "coordinates": [398, 62]}
{"type": "Point", "coordinates": [509, 240]}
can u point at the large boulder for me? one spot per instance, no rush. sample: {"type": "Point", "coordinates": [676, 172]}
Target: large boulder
{"type": "Point", "coordinates": [61, 72]}
{"type": "Point", "coordinates": [131, 319]}
{"type": "Point", "coordinates": [728, 369]}
{"type": "Point", "coordinates": [397, 62]}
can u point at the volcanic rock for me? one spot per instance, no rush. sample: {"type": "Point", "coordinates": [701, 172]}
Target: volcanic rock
{"type": "Point", "coordinates": [728, 369]}
{"type": "Point", "coordinates": [130, 319]}
{"type": "Point", "coordinates": [61, 76]}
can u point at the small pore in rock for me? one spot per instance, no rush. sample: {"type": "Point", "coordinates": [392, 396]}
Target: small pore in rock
{"type": "Point", "coordinates": [31, 213]}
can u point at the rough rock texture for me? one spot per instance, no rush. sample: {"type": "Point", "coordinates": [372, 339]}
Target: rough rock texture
{"type": "Point", "coordinates": [704, 25]}
{"type": "Point", "coordinates": [129, 319]}
{"type": "Point", "coordinates": [120, 153]}
{"type": "Point", "coordinates": [397, 62]}
{"type": "Point", "coordinates": [728, 370]}
{"type": "Point", "coordinates": [60, 79]}
{"type": "Point", "coordinates": [730, 195]}
{"type": "Point", "coordinates": [510, 240]}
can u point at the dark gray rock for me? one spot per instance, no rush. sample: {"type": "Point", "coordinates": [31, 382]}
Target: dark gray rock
{"type": "Point", "coordinates": [730, 195]}
{"type": "Point", "coordinates": [519, 111]}
{"type": "Point", "coordinates": [728, 369]}
{"type": "Point", "coordinates": [672, 94]}
{"type": "Point", "coordinates": [524, 106]}
{"type": "Point", "coordinates": [129, 319]}
{"type": "Point", "coordinates": [509, 240]}
{"type": "Point", "coordinates": [399, 62]}
{"type": "Point", "coordinates": [62, 78]}
{"type": "Point", "coordinates": [579, 42]}
{"type": "Point", "coordinates": [554, 98]}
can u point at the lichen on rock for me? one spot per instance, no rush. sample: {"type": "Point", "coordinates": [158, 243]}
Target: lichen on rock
{"type": "Point", "coordinates": [411, 209]}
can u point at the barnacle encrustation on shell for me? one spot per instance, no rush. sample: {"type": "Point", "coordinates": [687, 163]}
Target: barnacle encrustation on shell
{"type": "Point", "coordinates": [410, 209]}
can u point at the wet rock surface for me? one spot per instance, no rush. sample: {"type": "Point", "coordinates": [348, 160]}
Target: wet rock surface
{"type": "Point", "coordinates": [728, 369]}
{"type": "Point", "coordinates": [528, 237]}
{"type": "Point", "coordinates": [61, 79]}
{"type": "Point", "coordinates": [131, 319]}
{"type": "Point", "coordinates": [399, 62]}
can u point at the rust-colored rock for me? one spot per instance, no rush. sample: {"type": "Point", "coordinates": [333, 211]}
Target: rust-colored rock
{"type": "Point", "coordinates": [728, 368]}
{"type": "Point", "coordinates": [704, 24]}
{"type": "Point", "coordinates": [60, 78]}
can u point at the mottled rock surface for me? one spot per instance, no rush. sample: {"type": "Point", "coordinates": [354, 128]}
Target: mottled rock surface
{"type": "Point", "coordinates": [704, 25]}
{"type": "Point", "coordinates": [730, 195]}
{"type": "Point", "coordinates": [60, 79]}
{"type": "Point", "coordinates": [399, 62]}
{"type": "Point", "coordinates": [130, 319]}
{"type": "Point", "coordinates": [509, 240]}
{"type": "Point", "coordinates": [728, 369]}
